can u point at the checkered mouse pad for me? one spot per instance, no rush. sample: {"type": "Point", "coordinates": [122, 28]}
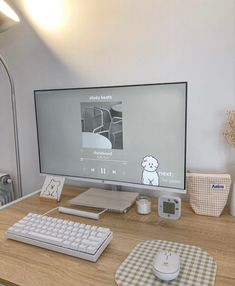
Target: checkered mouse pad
{"type": "Point", "coordinates": [197, 268]}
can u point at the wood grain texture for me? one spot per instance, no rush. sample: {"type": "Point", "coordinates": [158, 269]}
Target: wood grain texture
{"type": "Point", "coordinates": [22, 264]}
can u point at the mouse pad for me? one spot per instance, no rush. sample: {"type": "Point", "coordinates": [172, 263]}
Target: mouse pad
{"type": "Point", "coordinates": [196, 268]}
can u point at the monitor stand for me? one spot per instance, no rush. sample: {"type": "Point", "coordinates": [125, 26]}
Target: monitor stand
{"type": "Point", "coordinates": [106, 199]}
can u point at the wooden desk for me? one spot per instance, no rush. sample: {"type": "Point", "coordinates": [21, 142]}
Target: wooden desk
{"type": "Point", "coordinates": [22, 264]}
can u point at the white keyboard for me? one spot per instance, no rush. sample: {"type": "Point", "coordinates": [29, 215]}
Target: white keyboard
{"type": "Point", "coordinates": [73, 238]}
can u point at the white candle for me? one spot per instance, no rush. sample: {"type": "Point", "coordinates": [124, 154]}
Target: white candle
{"type": "Point", "coordinates": [143, 205]}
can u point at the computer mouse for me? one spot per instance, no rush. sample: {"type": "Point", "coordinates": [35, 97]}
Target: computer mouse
{"type": "Point", "coordinates": [166, 265]}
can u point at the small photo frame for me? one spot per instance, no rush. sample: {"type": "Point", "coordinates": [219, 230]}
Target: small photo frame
{"type": "Point", "coordinates": [52, 188]}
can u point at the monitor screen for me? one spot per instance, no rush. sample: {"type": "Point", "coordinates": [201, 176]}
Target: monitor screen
{"type": "Point", "coordinates": [123, 135]}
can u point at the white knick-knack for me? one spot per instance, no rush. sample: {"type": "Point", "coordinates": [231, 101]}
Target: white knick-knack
{"type": "Point", "coordinates": [232, 202]}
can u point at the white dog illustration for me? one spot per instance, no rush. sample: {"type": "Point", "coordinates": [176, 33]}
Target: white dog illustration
{"type": "Point", "coordinates": [150, 175]}
{"type": "Point", "coordinates": [52, 189]}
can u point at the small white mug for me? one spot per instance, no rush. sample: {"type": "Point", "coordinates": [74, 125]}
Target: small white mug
{"type": "Point", "coordinates": [143, 204]}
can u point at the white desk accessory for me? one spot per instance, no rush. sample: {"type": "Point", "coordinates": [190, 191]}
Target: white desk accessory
{"type": "Point", "coordinates": [117, 201]}
{"type": "Point", "coordinates": [169, 207]}
{"type": "Point", "coordinates": [143, 205]}
{"type": "Point", "coordinates": [75, 212]}
{"type": "Point", "coordinates": [166, 265]}
{"type": "Point", "coordinates": [52, 188]}
{"type": "Point", "coordinates": [69, 237]}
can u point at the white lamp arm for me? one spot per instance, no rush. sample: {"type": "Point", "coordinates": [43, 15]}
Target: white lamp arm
{"type": "Point", "coordinates": [15, 127]}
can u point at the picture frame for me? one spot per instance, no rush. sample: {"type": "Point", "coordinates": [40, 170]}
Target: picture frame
{"type": "Point", "coordinates": [52, 188]}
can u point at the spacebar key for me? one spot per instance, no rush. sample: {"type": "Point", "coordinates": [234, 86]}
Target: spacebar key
{"type": "Point", "coordinates": [44, 238]}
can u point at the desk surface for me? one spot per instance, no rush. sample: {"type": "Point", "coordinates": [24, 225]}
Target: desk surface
{"type": "Point", "coordinates": [23, 264]}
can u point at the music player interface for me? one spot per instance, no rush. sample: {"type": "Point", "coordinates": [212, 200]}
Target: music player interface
{"type": "Point", "coordinates": [121, 134]}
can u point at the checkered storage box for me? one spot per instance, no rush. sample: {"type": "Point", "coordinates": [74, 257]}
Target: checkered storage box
{"type": "Point", "coordinates": [197, 267]}
{"type": "Point", "coordinates": [208, 193]}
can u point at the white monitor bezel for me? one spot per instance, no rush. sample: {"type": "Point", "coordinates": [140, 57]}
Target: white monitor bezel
{"type": "Point", "coordinates": [113, 182]}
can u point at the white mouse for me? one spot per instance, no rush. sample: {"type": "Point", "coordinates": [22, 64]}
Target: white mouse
{"type": "Point", "coordinates": [166, 265]}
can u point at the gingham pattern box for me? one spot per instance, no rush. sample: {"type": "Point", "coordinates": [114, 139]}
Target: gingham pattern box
{"type": "Point", "coordinates": [208, 193]}
{"type": "Point", "coordinates": [197, 268]}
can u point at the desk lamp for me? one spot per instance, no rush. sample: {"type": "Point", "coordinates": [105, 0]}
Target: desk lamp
{"type": "Point", "coordinates": [7, 19]}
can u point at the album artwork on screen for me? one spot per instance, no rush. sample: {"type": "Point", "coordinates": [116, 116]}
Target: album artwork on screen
{"type": "Point", "coordinates": [101, 124]}
{"type": "Point", "coordinates": [127, 134]}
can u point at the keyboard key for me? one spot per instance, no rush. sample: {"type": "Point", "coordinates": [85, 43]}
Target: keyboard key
{"type": "Point", "coordinates": [91, 249]}
{"type": "Point", "coordinates": [82, 247]}
{"type": "Point", "coordinates": [44, 237]}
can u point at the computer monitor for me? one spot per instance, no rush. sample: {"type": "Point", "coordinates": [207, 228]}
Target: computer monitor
{"type": "Point", "coordinates": [133, 135]}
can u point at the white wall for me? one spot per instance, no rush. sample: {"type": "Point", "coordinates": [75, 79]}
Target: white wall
{"type": "Point", "coordinates": [111, 42]}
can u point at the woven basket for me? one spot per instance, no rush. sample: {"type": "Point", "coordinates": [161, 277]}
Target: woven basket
{"type": "Point", "coordinates": [208, 193]}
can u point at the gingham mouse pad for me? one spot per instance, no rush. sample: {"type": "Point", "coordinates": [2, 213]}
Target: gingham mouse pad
{"type": "Point", "coordinates": [197, 268]}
